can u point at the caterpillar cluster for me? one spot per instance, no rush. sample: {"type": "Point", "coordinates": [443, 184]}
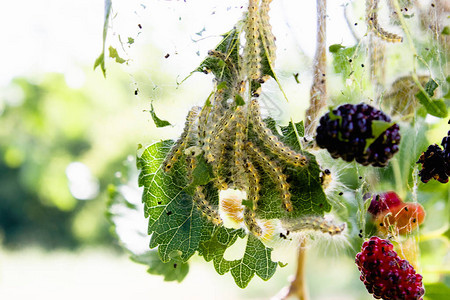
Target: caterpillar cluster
{"type": "Point", "coordinates": [271, 141]}
{"type": "Point", "coordinates": [260, 41]}
{"type": "Point", "coordinates": [372, 21]}
{"type": "Point", "coordinates": [240, 149]}
{"type": "Point", "coordinates": [231, 137]}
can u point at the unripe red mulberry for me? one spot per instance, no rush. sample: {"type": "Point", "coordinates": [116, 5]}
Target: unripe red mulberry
{"type": "Point", "coordinates": [385, 275]}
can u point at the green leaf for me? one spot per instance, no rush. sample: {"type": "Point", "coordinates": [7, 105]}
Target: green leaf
{"type": "Point", "coordinates": [341, 59]}
{"type": "Point", "coordinates": [130, 40]}
{"type": "Point", "coordinates": [289, 135]}
{"type": "Point", "coordinates": [430, 87]}
{"type": "Point", "coordinates": [446, 31]}
{"type": "Point", "coordinates": [175, 224]}
{"type": "Point", "coordinates": [436, 291]}
{"type": "Point", "coordinates": [113, 54]}
{"type": "Point", "coordinates": [158, 122]}
{"type": "Point", "coordinates": [173, 270]}
{"type": "Point", "coordinates": [214, 248]}
{"type": "Point", "coordinates": [239, 100]}
{"type": "Point", "coordinates": [100, 61]}
{"type": "Point", "coordinates": [378, 128]}
{"type": "Point", "coordinates": [202, 173]}
{"type": "Point", "coordinates": [435, 107]}
{"type": "Point", "coordinates": [335, 48]}
{"type": "Point", "coordinates": [257, 260]}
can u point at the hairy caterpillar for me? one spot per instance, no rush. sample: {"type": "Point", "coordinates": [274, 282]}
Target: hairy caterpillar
{"type": "Point", "coordinates": [214, 134]}
{"type": "Point", "coordinates": [222, 56]}
{"type": "Point", "coordinates": [316, 223]}
{"type": "Point", "coordinates": [269, 38]}
{"type": "Point", "coordinates": [203, 205]}
{"type": "Point", "coordinates": [202, 122]}
{"type": "Point", "coordinates": [271, 141]}
{"type": "Point", "coordinates": [217, 167]}
{"type": "Point", "coordinates": [223, 133]}
{"type": "Point", "coordinates": [250, 222]}
{"type": "Point", "coordinates": [239, 154]}
{"type": "Point", "coordinates": [252, 50]}
{"type": "Point", "coordinates": [181, 143]}
{"type": "Point", "coordinates": [372, 21]}
{"type": "Point", "coordinates": [275, 172]}
{"type": "Point", "coordinates": [253, 186]}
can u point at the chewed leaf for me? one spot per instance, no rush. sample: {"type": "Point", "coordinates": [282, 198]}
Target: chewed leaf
{"type": "Point", "coordinates": [175, 224]}
{"type": "Point", "coordinates": [214, 248]}
{"type": "Point", "coordinates": [114, 54]}
{"type": "Point", "coordinates": [172, 271]}
{"type": "Point", "coordinates": [257, 260]}
{"type": "Point", "coordinates": [158, 122]}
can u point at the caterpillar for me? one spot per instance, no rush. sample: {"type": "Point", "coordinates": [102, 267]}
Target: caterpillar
{"type": "Point", "coordinates": [275, 172]}
{"type": "Point", "coordinates": [213, 134]}
{"type": "Point", "coordinates": [217, 168]}
{"type": "Point", "coordinates": [239, 154]}
{"type": "Point", "coordinates": [316, 223]}
{"type": "Point", "coordinates": [207, 122]}
{"type": "Point", "coordinates": [372, 21]}
{"type": "Point", "coordinates": [250, 222]}
{"type": "Point", "coordinates": [222, 56]}
{"type": "Point", "coordinates": [181, 143]}
{"type": "Point", "coordinates": [191, 163]}
{"type": "Point", "coordinates": [203, 205]}
{"type": "Point", "coordinates": [222, 132]}
{"type": "Point", "coordinates": [253, 186]}
{"type": "Point", "coordinates": [202, 122]}
{"type": "Point", "coordinates": [274, 145]}
{"type": "Point", "coordinates": [252, 50]}
{"type": "Point", "coordinates": [266, 28]}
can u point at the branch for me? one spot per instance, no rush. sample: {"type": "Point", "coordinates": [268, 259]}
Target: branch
{"type": "Point", "coordinates": [298, 288]}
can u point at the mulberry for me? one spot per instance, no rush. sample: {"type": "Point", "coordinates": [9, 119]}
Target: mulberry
{"type": "Point", "coordinates": [385, 275]}
{"type": "Point", "coordinates": [435, 163]}
{"type": "Point", "coordinates": [383, 202]}
{"type": "Point", "coordinates": [346, 130]}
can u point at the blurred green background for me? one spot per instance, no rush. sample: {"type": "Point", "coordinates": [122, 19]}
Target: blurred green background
{"type": "Point", "coordinates": [67, 133]}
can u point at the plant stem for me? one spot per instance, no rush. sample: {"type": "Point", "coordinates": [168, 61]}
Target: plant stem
{"type": "Point", "coordinates": [298, 286]}
{"type": "Point", "coordinates": [318, 99]}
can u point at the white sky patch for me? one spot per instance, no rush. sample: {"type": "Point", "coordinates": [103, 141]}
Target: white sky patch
{"type": "Point", "coordinates": [82, 184]}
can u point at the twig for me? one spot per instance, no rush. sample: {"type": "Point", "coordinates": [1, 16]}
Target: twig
{"type": "Point", "coordinates": [298, 286]}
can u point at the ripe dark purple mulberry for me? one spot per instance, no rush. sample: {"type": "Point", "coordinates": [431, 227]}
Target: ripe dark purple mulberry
{"type": "Point", "coordinates": [385, 274]}
{"type": "Point", "coordinates": [346, 130]}
{"type": "Point", "coordinates": [435, 163]}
